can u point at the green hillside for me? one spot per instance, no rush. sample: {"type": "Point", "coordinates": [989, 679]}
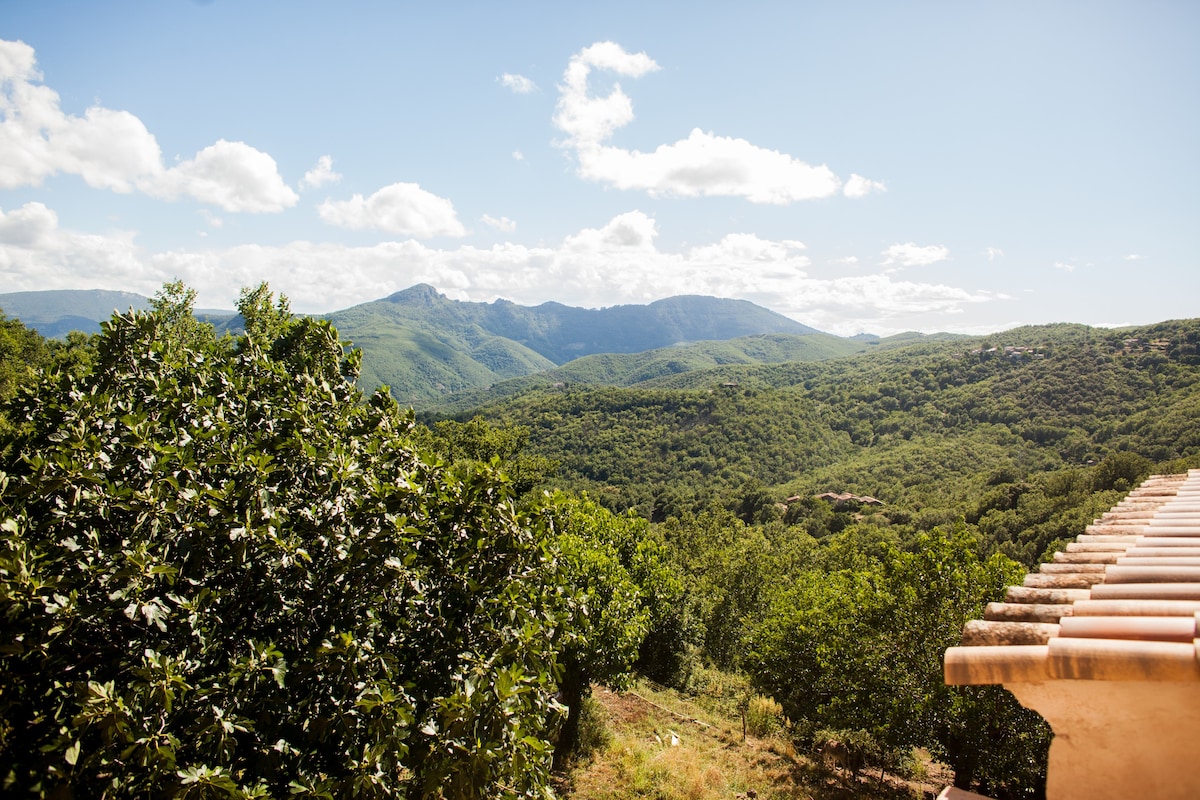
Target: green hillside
{"type": "Point", "coordinates": [629, 369]}
{"type": "Point", "coordinates": [926, 428]}
{"type": "Point", "coordinates": [420, 363]}
{"type": "Point", "coordinates": [561, 333]}
{"type": "Point", "coordinates": [428, 348]}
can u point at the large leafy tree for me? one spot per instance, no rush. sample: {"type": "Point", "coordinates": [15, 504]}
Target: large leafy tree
{"type": "Point", "coordinates": [860, 649]}
{"type": "Point", "coordinates": [222, 573]}
{"type": "Point", "coordinates": [620, 589]}
{"type": "Point", "coordinates": [982, 732]}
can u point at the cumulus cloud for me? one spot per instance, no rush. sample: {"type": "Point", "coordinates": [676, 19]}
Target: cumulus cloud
{"type": "Point", "coordinates": [518, 155]}
{"type": "Point", "coordinates": [993, 253]}
{"type": "Point", "coordinates": [108, 149]}
{"type": "Point", "coordinates": [1064, 266]}
{"type": "Point", "coordinates": [499, 223]}
{"type": "Point", "coordinates": [231, 175]}
{"type": "Point", "coordinates": [704, 164]}
{"type": "Point", "coordinates": [707, 165]}
{"type": "Point", "coordinates": [518, 83]}
{"type": "Point", "coordinates": [858, 186]}
{"type": "Point", "coordinates": [617, 262]}
{"type": "Point", "coordinates": [403, 208]}
{"type": "Point", "coordinates": [1134, 257]}
{"type": "Point", "coordinates": [631, 232]}
{"type": "Point", "coordinates": [113, 150]}
{"type": "Point", "coordinates": [35, 254]}
{"type": "Point", "coordinates": [28, 225]}
{"type": "Point", "coordinates": [910, 254]}
{"type": "Point", "coordinates": [590, 120]}
{"type": "Point", "coordinates": [321, 174]}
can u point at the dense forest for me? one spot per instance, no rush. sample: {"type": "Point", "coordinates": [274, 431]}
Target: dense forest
{"type": "Point", "coordinates": [836, 521]}
{"type": "Point", "coordinates": [1022, 435]}
{"type": "Point", "coordinates": [227, 571]}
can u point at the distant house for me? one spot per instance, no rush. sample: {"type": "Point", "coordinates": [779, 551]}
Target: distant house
{"type": "Point", "coordinates": [845, 498]}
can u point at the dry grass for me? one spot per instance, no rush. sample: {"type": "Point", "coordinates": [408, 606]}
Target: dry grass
{"type": "Point", "coordinates": [666, 747]}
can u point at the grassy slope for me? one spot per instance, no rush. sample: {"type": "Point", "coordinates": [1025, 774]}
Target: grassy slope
{"type": "Point", "coordinates": [667, 746]}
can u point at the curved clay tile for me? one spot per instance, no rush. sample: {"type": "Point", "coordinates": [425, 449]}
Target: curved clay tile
{"type": "Point", "coordinates": [1104, 642]}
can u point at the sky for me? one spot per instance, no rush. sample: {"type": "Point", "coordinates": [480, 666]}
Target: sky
{"type": "Point", "coordinates": [966, 166]}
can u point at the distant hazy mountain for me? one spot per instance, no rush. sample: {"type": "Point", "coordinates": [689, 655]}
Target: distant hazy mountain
{"type": "Point", "coordinates": [54, 314]}
{"type": "Point", "coordinates": [427, 347]}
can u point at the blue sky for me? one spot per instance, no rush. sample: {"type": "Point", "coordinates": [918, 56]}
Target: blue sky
{"type": "Point", "coordinates": [964, 166]}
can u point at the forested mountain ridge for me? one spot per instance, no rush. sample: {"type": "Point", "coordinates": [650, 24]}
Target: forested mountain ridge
{"type": "Point", "coordinates": [927, 428]}
{"type": "Point", "coordinates": [630, 369]}
{"type": "Point", "coordinates": [427, 347]}
{"type": "Point", "coordinates": [561, 333]}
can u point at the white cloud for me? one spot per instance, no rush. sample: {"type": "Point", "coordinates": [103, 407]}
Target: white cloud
{"type": "Point", "coordinates": [212, 219]}
{"type": "Point", "coordinates": [910, 254]}
{"type": "Point", "coordinates": [518, 155]}
{"type": "Point", "coordinates": [1065, 267]}
{"type": "Point", "coordinates": [590, 120]}
{"type": "Point", "coordinates": [113, 150]}
{"type": "Point", "coordinates": [858, 186]}
{"type": "Point", "coordinates": [703, 164]}
{"type": "Point", "coordinates": [28, 225]}
{"type": "Point", "coordinates": [845, 261]}
{"type": "Point", "coordinates": [321, 174]}
{"type": "Point", "coordinates": [499, 223]}
{"type": "Point", "coordinates": [1134, 257]}
{"type": "Point", "coordinates": [108, 149]}
{"type": "Point", "coordinates": [707, 165]}
{"type": "Point", "coordinates": [232, 175]}
{"type": "Point", "coordinates": [36, 254]}
{"type": "Point", "coordinates": [518, 83]}
{"type": "Point", "coordinates": [618, 262]}
{"type": "Point", "coordinates": [403, 208]}
{"type": "Point", "coordinates": [993, 253]}
{"type": "Point", "coordinates": [631, 232]}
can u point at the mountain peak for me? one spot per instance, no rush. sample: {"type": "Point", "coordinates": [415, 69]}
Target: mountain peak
{"type": "Point", "coordinates": [422, 294]}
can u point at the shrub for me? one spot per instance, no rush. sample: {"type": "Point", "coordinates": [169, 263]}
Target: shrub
{"type": "Point", "coordinates": [764, 716]}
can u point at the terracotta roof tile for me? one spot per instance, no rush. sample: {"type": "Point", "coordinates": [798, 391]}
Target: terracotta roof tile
{"type": "Point", "coordinates": [1111, 606]}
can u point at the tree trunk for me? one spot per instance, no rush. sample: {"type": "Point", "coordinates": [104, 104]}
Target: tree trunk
{"type": "Point", "coordinates": [964, 773]}
{"type": "Point", "coordinates": [571, 692]}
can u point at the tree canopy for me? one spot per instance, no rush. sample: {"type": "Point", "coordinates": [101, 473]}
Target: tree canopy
{"type": "Point", "coordinates": [224, 573]}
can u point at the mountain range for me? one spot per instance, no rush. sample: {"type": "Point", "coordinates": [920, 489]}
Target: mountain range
{"type": "Point", "coordinates": [431, 350]}
{"type": "Point", "coordinates": [54, 314]}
